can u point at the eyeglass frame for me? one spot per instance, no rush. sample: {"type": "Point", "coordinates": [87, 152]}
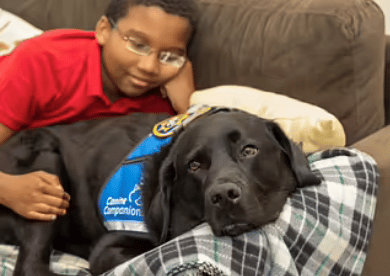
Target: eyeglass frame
{"type": "Point", "coordinates": [129, 40]}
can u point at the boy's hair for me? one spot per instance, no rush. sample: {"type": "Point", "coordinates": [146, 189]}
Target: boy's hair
{"type": "Point", "coordinates": [118, 9]}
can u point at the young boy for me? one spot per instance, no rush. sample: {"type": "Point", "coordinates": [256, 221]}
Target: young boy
{"type": "Point", "coordinates": [135, 61]}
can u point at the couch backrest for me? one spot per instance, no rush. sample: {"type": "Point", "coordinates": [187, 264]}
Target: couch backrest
{"type": "Point", "coordinates": [326, 52]}
{"type": "Point", "coordinates": [52, 14]}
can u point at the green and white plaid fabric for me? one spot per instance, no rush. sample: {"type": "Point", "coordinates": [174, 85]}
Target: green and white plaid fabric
{"type": "Point", "coordinates": [323, 230]}
{"type": "Point", "coordinates": [61, 263]}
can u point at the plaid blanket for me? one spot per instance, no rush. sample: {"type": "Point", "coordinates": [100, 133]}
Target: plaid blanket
{"type": "Point", "coordinates": [323, 230]}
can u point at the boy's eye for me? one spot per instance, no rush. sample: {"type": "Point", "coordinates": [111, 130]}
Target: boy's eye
{"type": "Point", "coordinates": [169, 56]}
{"type": "Point", "coordinates": [138, 46]}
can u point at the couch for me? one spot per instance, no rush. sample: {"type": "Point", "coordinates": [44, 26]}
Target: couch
{"type": "Point", "coordinates": [330, 53]}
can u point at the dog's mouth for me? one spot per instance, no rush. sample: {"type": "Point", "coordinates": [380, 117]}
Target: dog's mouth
{"type": "Point", "coordinates": [235, 229]}
{"type": "Point", "coordinates": [229, 227]}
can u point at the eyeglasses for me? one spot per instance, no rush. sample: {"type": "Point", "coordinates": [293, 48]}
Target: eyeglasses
{"type": "Point", "coordinates": [143, 49]}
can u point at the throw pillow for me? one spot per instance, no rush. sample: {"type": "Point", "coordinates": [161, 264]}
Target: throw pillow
{"type": "Point", "coordinates": [306, 124]}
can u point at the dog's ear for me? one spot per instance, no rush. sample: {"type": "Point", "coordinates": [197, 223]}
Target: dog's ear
{"type": "Point", "coordinates": [160, 206]}
{"type": "Point", "coordinates": [298, 161]}
{"type": "Point", "coordinates": [26, 150]}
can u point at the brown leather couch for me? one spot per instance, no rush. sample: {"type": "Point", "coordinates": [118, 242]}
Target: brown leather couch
{"type": "Point", "coordinates": [330, 53]}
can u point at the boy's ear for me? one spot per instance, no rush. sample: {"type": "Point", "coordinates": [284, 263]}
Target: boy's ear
{"type": "Point", "coordinates": [103, 30]}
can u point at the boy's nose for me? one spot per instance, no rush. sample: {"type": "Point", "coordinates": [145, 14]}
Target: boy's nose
{"type": "Point", "coordinates": [149, 63]}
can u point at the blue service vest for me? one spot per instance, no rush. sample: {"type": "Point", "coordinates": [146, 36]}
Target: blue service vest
{"type": "Point", "coordinates": [120, 201]}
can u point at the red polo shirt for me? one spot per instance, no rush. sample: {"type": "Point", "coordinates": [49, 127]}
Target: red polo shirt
{"type": "Point", "coordinates": [55, 78]}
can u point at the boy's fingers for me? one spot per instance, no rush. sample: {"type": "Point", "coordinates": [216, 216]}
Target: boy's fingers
{"type": "Point", "coordinates": [49, 210]}
{"type": "Point", "coordinates": [53, 187]}
{"type": "Point", "coordinates": [56, 202]}
{"type": "Point", "coordinates": [59, 194]}
{"type": "Point", "coordinates": [51, 179]}
{"type": "Point", "coordinates": [66, 196]}
{"type": "Point", "coordinates": [40, 216]}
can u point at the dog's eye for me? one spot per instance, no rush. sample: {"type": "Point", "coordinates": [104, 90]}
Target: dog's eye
{"type": "Point", "coordinates": [193, 166]}
{"type": "Point", "coordinates": [249, 151]}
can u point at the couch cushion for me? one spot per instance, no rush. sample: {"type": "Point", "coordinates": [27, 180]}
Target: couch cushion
{"type": "Point", "coordinates": [329, 53]}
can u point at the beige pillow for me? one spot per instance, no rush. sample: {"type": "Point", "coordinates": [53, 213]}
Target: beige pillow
{"type": "Point", "coordinates": [13, 30]}
{"type": "Point", "coordinates": [304, 123]}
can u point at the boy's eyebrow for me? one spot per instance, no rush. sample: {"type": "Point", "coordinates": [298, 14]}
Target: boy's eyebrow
{"type": "Point", "coordinates": [141, 35]}
{"type": "Point", "coordinates": [133, 32]}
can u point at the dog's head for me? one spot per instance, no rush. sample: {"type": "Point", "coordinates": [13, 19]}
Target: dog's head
{"type": "Point", "coordinates": [231, 169]}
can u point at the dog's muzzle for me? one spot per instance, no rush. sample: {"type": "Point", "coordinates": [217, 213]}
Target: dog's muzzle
{"type": "Point", "coordinates": [225, 195]}
{"type": "Point", "coordinates": [226, 209]}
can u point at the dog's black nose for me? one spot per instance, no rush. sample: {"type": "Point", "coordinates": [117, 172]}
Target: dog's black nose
{"type": "Point", "coordinates": [223, 194]}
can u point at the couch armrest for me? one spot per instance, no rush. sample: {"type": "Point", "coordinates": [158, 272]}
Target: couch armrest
{"type": "Point", "coordinates": [377, 146]}
{"type": "Point", "coordinates": [387, 80]}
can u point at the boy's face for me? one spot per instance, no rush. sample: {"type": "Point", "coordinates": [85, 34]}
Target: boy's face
{"type": "Point", "coordinates": [126, 73]}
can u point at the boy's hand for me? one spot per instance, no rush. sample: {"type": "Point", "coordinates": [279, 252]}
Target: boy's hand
{"type": "Point", "coordinates": [37, 195]}
{"type": "Point", "coordinates": [180, 88]}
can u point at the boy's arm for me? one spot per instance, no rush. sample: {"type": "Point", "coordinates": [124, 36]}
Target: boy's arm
{"type": "Point", "coordinates": [5, 133]}
{"type": "Point", "coordinates": [180, 88]}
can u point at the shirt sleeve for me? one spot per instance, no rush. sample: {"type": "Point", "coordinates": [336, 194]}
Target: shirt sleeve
{"type": "Point", "coordinates": [17, 81]}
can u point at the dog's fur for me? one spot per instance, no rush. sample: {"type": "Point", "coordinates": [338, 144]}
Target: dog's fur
{"type": "Point", "coordinates": [230, 169]}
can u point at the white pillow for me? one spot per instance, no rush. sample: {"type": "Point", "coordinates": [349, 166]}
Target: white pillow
{"type": "Point", "coordinates": [13, 30]}
{"type": "Point", "coordinates": [306, 124]}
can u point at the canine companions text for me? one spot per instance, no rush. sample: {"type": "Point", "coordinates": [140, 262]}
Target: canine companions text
{"type": "Point", "coordinates": [228, 168]}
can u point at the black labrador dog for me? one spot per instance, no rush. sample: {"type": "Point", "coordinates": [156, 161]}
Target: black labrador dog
{"type": "Point", "coordinates": [228, 168]}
